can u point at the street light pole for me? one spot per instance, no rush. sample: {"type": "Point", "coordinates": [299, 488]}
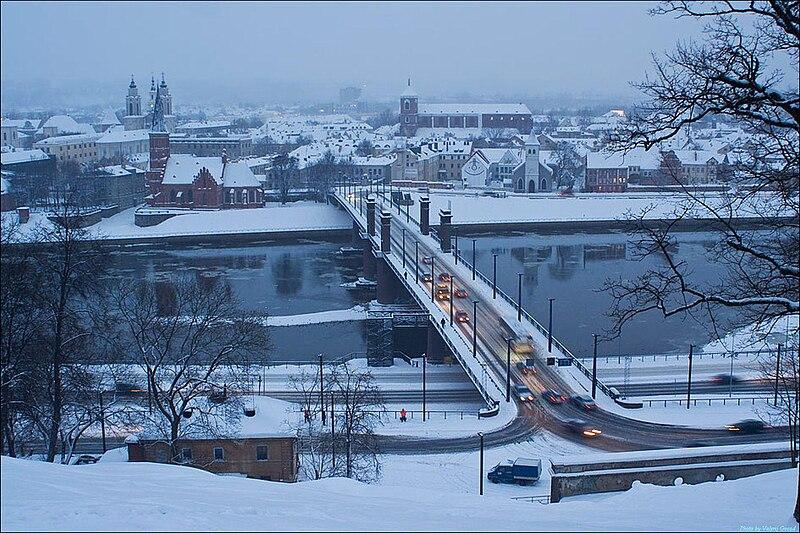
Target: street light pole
{"type": "Point", "coordinates": [321, 391]}
{"type": "Point", "coordinates": [481, 473]}
{"type": "Point", "coordinates": [408, 216]}
{"type": "Point", "coordinates": [508, 369]}
{"type": "Point", "coordinates": [474, 328]}
{"type": "Point", "coordinates": [451, 300]}
{"type": "Point", "coordinates": [416, 261]}
{"type": "Point", "coordinates": [494, 276]}
{"type": "Point", "coordinates": [455, 250]}
{"type": "Point", "coordinates": [550, 329]}
{"type": "Point", "coordinates": [102, 421]}
{"type": "Point", "coordinates": [333, 436]}
{"type": "Point", "coordinates": [424, 388]}
{"type": "Point", "coordinates": [689, 383]}
{"type": "Point", "coordinates": [777, 374]}
{"type": "Point", "coordinates": [433, 280]}
{"type": "Point", "coordinates": [473, 258]}
{"type": "Point", "coordinates": [519, 297]}
{"type": "Point", "coordinates": [404, 247]}
{"type": "Point", "coordinates": [594, 367]}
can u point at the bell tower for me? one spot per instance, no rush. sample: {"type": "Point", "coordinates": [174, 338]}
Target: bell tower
{"type": "Point", "coordinates": [409, 108]}
{"type": "Point", "coordinates": [133, 102]}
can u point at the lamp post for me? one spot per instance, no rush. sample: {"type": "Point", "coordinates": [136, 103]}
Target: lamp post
{"type": "Point", "coordinates": [424, 388]}
{"type": "Point", "coordinates": [480, 434]}
{"type": "Point", "coordinates": [433, 281]}
{"type": "Point", "coordinates": [508, 369]}
{"type": "Point", "coordinates": [689, 382]}
{"type": "Point", "coordinates": [102, 421]}
{"type": "Point", "coordinates": [451, 300]}
{"type": "Point", "coordinates": [416, 261]}
{"type": "Point", "coordinates": [777, 373]}
{"type": "Point", "coordinates": [473, 258]}
{"type": "Point", "coordinates": [519, 297]}
{"type": "Point", "coordinates": [494, 276]}
{"type": "Point", "coordinates": [455, 250]}
{"type": "Point", "coordinates": [594, 367]}
{"type": "Point", "coordinates": [404, 247]}
{"type": "Point", "coordinates": [408, 217]}
{"type": "Point", "coordinates": [474, 328]}
{"type": "Point", "coordinates": [321, 391]}
{"type": "Point", "coordinates": [550, 329]}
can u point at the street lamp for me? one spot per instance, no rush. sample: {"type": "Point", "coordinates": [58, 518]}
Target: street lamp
{"type": "Point", "coordinates": [594, 367]}
{"type": "Point", "coordinates": [433, 281]}
{"type": "Point", "coordinates": [451, 300]}
{"type": "Point", "coordinates": [455, 250]}
{"type": "Point", "coordinates": [550, 329]}
{"type": "Point", "coordinates": [473, 258]}
{"type": "Point", "coordinates": [689, 382]}
{"type": "Point", "coordinates": [480, 434]}
{"type": "Point", "coordinates": [519, 297]}
{"type": "Point", "coordinates": [321, 391]}
{"type": "Point", "coordinates": [494, 276]}
{"type": "Point", "coordinates": [424, 361]}
{"type": "Point", "coordinates": [508, 369]}
{"type": "Point", "coordinates": [474, 328]}
{"type": "Point", "coordinates": [404, 247]}
{"type": "Point", "coordinates": [416, 261]}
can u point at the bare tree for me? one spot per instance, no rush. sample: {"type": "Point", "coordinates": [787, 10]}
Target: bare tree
{"type": "Point", "coordinates": [323, 174]}
{"type": "Point", "coordinates": [347, 446]}
{"type": "Point", "coordinates": [285, 169]}
{"type": "Point", "coordinates": [364, 148]}
{"type": "Point", "coordinates": [726, 76]}
{"type": "Point", "coordinates": [567, 166]}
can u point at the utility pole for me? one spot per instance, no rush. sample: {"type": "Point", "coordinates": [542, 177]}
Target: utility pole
{"type": "Point", "coordinates": [519, 297]}
{"type": "Point", "coordinates": [408, 217]}
{"type": "Point", "coordinates": [333, 436]}
{"type": "Point", "coordinates": [404, 247]}
{"type": "Point", "coordinates": [508, 369]}
{"type": "Point", "coordinates": [550, 329]}
{"type": "Point", "coordinates": [480, 434]}
{"type": "Point", "coordinates": [777, 373]}
{"type": "Point", "coordinates": [594, 367]}
{"type": "Point", "coordinates": [321, 391]}
{"type": "Point", "coordinates": [730, 378]}
{"type": "Point", "coordinates": [424, 388]}
{"type": "Point", "coordinates": [473, 258]}
{"type": "Point", "coordinates": [494, 276]}
{"type": "Point", "coordinates": [433, 280]}
{"type": "Point", "coordinates": [102, 421]}
{"type": "Point", "coordinates": [474, 328]}
{"type": "Point", "coordinates": [689, 384]}
{"type": "Point", "coordinates": [451, 300]}
{"type": "Point", "coordinates": [455, 249]}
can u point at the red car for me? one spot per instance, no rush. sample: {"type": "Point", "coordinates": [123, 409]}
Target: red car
{"type": "Point", "coordinates": [460, 293]}
{"type": "Point", "coordinates": [462, 316]}
{"type": "Point", "coordinates": [554, 397]}
{"type": "Point", "coordinates": [444, 276]}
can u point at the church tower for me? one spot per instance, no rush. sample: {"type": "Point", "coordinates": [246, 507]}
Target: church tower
{"type": "Point", "coordinates": [133, 102]}
{"type": "Point", "coordinates": [152, 94]}
{"type": "Point", "coordinates": [159, 145]}
{"type": "Point", "coordinates": [532, 164]}
{"type": "Point", "coordinates": [166, 98]}
{"type": "Point", "coordinates": [409, 103]}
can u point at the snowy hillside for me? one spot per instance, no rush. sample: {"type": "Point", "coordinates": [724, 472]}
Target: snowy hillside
{"type": "Point", "coordinates": [143, 496]}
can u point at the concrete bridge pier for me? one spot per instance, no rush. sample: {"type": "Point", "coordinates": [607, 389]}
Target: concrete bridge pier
{"type": "Point", "coordinates": [369, 262]}
{"type": "Point", "coordinates": [356, 239]}
{"type": "Point", "coordinates": [424, 215]}
{"type": "Point", "coordinates": [437, 350]}
{"type": "Point", "coordinates": [445, 229]}
{"type": "Point", "coordinates": [387, 284]}
{"type": "Point", "coordinates": [371, 216]}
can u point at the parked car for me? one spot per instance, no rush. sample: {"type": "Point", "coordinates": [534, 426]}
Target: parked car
{"type": "Point", "coordinates": [522, 471]}
{"type": "Point", "coordinates": [554, 397]}
{"type": "Point", "coordinates": [461, 293]}
{"type": "Point", "coordinates": [427, 260]}
{"type": "Point", "coordinates": [445, 277]}
{"type": "Point", "coordinates": [427, 278]}
{"type": "Point", "coordinates": [462, 316]}
{"type": "Point", "coordinates": [523, 393]}
{"type": "Point", "coordinates": [583, 401]}
{"type": "Point", "coordinates": [726, 379]}
{"type": "Point", "coordinates": [747, 426]}
{"type": "Point", "coordinates": [582, 427]}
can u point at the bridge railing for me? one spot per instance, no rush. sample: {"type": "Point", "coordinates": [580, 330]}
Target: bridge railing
{"type": "Point", "coordinates": [739, 400]}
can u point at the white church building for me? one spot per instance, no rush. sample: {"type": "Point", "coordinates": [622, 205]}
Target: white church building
{"type": "Point", "coordinates": [515, 169]}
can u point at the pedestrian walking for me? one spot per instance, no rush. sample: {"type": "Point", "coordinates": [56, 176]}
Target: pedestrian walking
{"type": "Point", "coordinates": [402, 415]}
{"type": "Point", "coordinates": [442, 321]}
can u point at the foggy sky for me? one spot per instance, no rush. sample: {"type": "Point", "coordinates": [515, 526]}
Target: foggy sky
{"type": "Point", "coordinates": [448, 49]}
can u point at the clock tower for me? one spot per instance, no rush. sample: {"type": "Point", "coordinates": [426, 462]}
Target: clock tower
{"type": "Point", "coordinates": [408, 111]}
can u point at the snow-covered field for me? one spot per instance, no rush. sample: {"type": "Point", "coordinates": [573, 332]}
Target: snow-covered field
{"type": "Point", "coordinates": [274, 218]}
{"type": "Point", "coordinates": [113, 496]}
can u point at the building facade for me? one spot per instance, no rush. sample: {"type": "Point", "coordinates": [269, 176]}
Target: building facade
{"type": "Point", "coordinates": [606, 172]}
{"type": "Point", "coordinates": [138, 118]}
{"type": "Point", "coordinates": [81, 148]}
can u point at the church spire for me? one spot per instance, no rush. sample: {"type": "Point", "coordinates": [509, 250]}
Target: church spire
{"type": "Point", "coordinates": [158, 113]}
{"type": "Point", "coordinates": [133, 83]}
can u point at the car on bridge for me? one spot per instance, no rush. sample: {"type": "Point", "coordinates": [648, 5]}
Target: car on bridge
{"type": "Point", "coordinates": [554, 397]}
{"type": "Point", "coordinates": [427, 260]}
{"type": "Point", "coordinates": [584, 402]}
{"type": "Point", "coordinates": [523, 393]}
{"type": "Point", "coordinates": [462, 316]}
{"type": "Point", "coordinates": [442, 295]}
{"type": "Point", "coordinates": [747, 426]}
{"type": "Point", "coordinates": [582, 427]}
{"type": "Point", "coordinates": [461, 293]}
{"type": "Point", "coordinates": [522, 345]}
{"type": "Point", "coordinates": [445, 277]}
{"type": "Point", "coordinates": [427, 278]}
{"type": "Point", "coordinates": [726, 379]}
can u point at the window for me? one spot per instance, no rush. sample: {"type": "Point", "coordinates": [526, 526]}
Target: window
{"type": "Point", "coordinates": [186, 454]}
{"type": "Point", "coordinates": [406, 105]}
{"type": "Point", "coordinates": [262, 453]}
{"type": "Point", "coordinates": [219, 454]}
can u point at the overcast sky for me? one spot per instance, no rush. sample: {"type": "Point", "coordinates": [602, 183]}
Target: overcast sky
{"type": "Point", "coordinates": [450, 48]}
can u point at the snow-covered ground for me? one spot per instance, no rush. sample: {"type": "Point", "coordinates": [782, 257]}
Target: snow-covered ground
{"type": "Point", "coordinates": [113, 496]}
{"type": "Point", "coordinates": [470, 207]}
{"type": "Point", "coordinates": [357, 312]}
{"type": "Point", "coordinates": [274, 218]}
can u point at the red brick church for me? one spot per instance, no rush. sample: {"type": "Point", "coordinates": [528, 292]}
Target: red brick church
{"type": "Point", "coordinates": [183, 180]}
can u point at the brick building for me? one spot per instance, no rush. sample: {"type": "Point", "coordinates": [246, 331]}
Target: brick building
{"type": "Point", "coordinates": [268, 458]}
{"type": "Point", "coordinates": [460, 117]}
{"type": "Point", "coordinates": [606, 172]}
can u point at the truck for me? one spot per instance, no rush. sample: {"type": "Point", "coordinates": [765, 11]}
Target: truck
{"type": "Point", "coordinates": [523, 471]}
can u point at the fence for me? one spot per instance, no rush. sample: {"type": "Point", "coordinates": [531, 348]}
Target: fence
{"type": "Point", "coordinates": [677, 356]}
{"type": "Point", "coordinates": [543, 499]}
{"type": "Point", "coordinates": [709, 401]}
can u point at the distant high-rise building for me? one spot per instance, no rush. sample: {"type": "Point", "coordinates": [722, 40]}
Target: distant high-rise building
{"type": "Point", "coordinates": [349, 95]}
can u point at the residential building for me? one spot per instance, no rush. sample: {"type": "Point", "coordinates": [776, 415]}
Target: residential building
{"type": "Point", "coordinates": [442, 160]}
{"type": "Point", "coordinates": [236, 145]}
{"type": "Point", "coordinates": [606, 172]}
{"type": "Point", "coordinates": [119, 143]}
{"type": "Point", "coordinates": [63, 125]}
{"type": "Point", "coordinates": [81, 148]}
{"type": "Point", "coordinates": [373, 167]}
{"type": "Point", "coordinates": [268, 458]}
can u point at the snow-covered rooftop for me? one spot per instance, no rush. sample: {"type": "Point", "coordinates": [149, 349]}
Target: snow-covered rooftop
{"type": "Point", "coordinates": [22, 156]}
{"type": "Point", "coordinates": [238, 174]}
{"type": "Point", "coordinates": [182, 169]}
{"type": "Point", "coordinates": [118, 136]}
